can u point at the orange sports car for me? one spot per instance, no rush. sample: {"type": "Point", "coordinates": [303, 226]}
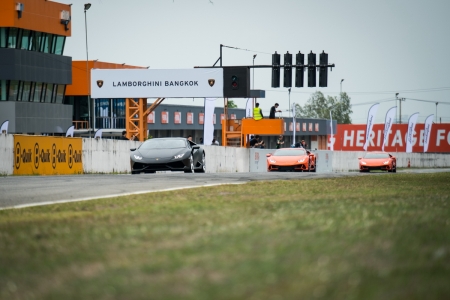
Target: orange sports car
{"type": "Point", "coordinates": [377, 161]}
{"type": "Point", "coordinates": [291, 159]}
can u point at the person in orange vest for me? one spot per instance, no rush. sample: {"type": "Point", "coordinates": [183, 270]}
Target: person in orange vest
{"type": "Point", "coordinates": [257, 112]}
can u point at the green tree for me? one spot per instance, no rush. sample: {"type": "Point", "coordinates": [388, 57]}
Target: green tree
{"type": "Point", "coordinates": [319, 106]}
{"type": "Point", "coordinates": [231, 104]}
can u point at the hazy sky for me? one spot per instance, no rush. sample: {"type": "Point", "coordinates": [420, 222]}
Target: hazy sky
{"type": "Point", "coordinates": [379, 47]}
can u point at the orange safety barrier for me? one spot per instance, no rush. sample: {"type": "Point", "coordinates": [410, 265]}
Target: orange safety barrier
{"type": "Point", "coordinates": [234, 132]}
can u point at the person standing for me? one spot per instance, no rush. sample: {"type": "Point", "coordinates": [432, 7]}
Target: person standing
{"type": "Point", "coordinates": [280, 142]}
{"type": "Point", "coordinates": [303, 144]}
{"type": "Point", "coordinates": [274, 110]}
{"type": "Point", "coordinates": [257, 113]}
{"type": "Point", "coordinates": [124, 135]}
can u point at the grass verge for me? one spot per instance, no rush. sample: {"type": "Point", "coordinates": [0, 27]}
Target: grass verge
{"type": "Point", "coordinates": [363, 237]}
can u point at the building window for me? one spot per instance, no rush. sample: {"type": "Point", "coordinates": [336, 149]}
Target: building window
{"type": "Point", "coordinates": [12, 37]}
{"type": "Point", "coordinates": [24, 39]}
{"type": "Point", "coordinates": [59, 44]}
{"type": "Point", "coordinates": [47, 93]}
{"type": "Point", "coordinates": [19, 91]}
{"type": "Point", "coordinates": [26, 91]}
{"type": "Point", "coordinates": [3, 89]}
{"type": "Point", "coordinates": [3, 34]}
{"type": "Point", "coordinates": [13, 87]}
{"type": "Point", "coordinates": [60, 89]}
{"type": "Point", "coordinates": [34, 41]}
{"type": "Point", "coordinates": [37, 92]}
{"type": "Point", "coordinates": [44, 43]}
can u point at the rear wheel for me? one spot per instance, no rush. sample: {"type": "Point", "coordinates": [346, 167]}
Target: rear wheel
{"type": "Point", "coordinates": [135, 172]}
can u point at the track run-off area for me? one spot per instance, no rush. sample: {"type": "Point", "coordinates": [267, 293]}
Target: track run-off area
{"type": "Point", "coordinates": [26, 191]}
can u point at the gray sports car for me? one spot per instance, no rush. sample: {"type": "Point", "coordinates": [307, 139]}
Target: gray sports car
{"type": "Point", "coordinates": [168, 154]}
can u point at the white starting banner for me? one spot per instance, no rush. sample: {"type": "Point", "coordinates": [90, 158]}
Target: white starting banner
{"type": "Point", "coordinates": [147, 83]}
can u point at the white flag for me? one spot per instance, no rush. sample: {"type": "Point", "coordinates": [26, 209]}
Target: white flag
{"type": "Point", "coordinates": [249, 108]}
{"type": "Point", "coordinates": [409, 136]}
{"type": "Point", "coordinates": [427, 132]}
{"type": "Point", "coordinates": [331, 133]}
{"type": "Point", "coordinates": [208, 123]}
{"type": "Point", "coordinates": [4, 127]}
{"type": "Point", "coordinates": [390, 115]}
{"type": "Point", "coordinates": [370, 120]}
{"type": "Point", "coordinates": [70, 131]}
{"type": "Point", "coordinates": [293, 123]}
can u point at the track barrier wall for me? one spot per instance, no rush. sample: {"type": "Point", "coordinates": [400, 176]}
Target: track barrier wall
{"type": "Point", "coordinates": [43, 155]}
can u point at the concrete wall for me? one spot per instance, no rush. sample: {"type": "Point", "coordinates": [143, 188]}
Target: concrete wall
{"type": "Point", "coordinates": [112, 156]}
{"type": "Point", "coordinates": [226, 159]}
{"type": "Point", "coordinates": [107, 156]}
{"type": "Point", "coordinates": [6, 154]}
{"type": "Point", "coordinates": [344, 161]}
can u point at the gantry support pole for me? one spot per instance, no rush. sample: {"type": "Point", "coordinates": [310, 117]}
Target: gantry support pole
{"type": "Point", "coordinates": [136, 117]}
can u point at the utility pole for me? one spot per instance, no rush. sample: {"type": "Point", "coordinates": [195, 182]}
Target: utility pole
{"type": "Point", "coordinates": [400, 106]}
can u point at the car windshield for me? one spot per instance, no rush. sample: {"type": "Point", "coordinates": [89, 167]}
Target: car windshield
{"type": "Point", "coordinates": [290, 152]}
{"type": "Point", "coordinates": [376, 155]}
{"type": "Point", "coordinates": [163, 144]}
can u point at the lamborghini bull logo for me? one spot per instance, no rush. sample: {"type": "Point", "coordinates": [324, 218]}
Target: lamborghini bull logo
{"type": "Point", "coordinates": [211, 82]}
{"type": "Point", "coordinates": [99, 83]}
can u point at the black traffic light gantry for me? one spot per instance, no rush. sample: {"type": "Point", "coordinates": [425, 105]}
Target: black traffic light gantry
{"type": "Point", "coordinates": [234, 82]}
{"type": "Point", "coordinates": [323, 69]}
{"type": "Point", "coordinates": [299, 62]}
{"type": "Point", "coordinates": [275, 70]}
{"type": "Point", "coordinates": [287, 79]}
{"type": "Point", "coordinates": [311, 69]}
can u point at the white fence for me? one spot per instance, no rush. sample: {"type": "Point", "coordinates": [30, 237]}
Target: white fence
{"type": "Point", "coordinates": [113, 156]}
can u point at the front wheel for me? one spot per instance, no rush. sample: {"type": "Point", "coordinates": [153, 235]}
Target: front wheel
{"type": "Point", "coordinates": [191, 165]}
{"type": "Point", "coordinates": [203, 165]}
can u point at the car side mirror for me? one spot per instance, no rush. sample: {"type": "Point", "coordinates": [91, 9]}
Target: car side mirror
{"type": "Point", "coordinates": [268, 154]}
{"type": "Point", "coordinates": [133, 149]}
{"type": "Point", "coordinates": [359, 157]}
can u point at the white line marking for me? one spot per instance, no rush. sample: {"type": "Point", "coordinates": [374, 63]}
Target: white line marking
{"type": "Point", "coordinates": [112, 196]}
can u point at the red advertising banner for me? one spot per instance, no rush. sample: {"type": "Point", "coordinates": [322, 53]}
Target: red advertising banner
{"type": "Point", "coordinates": [151, 118]}
{"type": "Point", "coordinates": [316, 126]}
{"type": "Point", "coordinates": [190, 118]}
{"type": "Point", "coordinates": [304, 126]}
{"type": "Point", "coordinates": [177, 117]}
{"type": "Point", "coordinates": [291, 126]}
{"type": "Point", "coordinates": [297, 126]}
{"type": "Point", "coordinates": [310, 127]}
{"type": "Point", "coordinates": [233, 116]}
{"type": "Point", "coordinates": [164, 117]}
{"type": "Point", "coordinates": [351, 137]}
{"type": "Point", "coordinates": [201, 118]}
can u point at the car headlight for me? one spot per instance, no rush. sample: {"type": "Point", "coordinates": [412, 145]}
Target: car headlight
{"type": "Point", "coordinates": [363, 162]}
{"type": "Point", "coordinates": [272, 161]}
{"type": "Point", "coordinates": [178, 156]}
{"type": "Point", "coordinates": [301, 160]}
{"type": "Point", "coordinates": [137, 157]}
{"type": "Point", "coordinates": [386, 162]}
